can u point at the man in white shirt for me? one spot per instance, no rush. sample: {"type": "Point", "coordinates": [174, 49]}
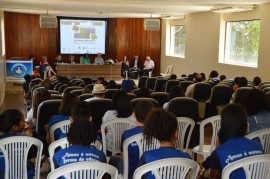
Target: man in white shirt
{"type": "Point", "coordinates": [148, 66]}
{"type": "Point", "coordinates": [99, 60]}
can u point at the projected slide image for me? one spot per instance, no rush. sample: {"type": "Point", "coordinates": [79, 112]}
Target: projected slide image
{"type": "Point", "coordinates": [82, 36]}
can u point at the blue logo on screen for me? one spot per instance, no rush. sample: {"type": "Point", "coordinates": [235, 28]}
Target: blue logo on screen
{"type": "Point", "coordinates": [19, 70]}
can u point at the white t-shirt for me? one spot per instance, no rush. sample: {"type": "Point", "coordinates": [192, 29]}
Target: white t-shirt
{"type": "Point", "coordinates": [30, 118]}
{"type": "Point", "coordinates": [149, 64]}
{"type": "Point", "coordinates": [110, 115]}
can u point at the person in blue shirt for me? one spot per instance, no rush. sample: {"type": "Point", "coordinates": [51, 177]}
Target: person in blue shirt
{"type": "Point", "coordinates": [141, 110]}
{"type": "Point", "coordinates": [257, 105]}
{"type": "Point", "coordinates": [233, 144]}
{"type": "Point", "coordinates": [161, 125]}
{"type": "Point", "coordinates": [12, 124]}
{"type": "Point", "coordinates": [80, 137]}
{"type": "Point", "coordinates": [63, 114]}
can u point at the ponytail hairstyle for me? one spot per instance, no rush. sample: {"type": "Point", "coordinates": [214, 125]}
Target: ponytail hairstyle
{"type": "Point", "coordinates": [8, 119]}
{"type": "Point", "coordinates": [159, 124]}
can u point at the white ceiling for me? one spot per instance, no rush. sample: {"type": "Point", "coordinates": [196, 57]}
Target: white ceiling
{"type": "Point", "coordinates": [116, 8]}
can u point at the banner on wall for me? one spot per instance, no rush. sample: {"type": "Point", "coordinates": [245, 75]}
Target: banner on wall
{"type": "Point", "coordinates": [16, 69]}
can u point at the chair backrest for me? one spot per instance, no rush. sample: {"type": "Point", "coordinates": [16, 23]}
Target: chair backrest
{"type": "Point", "coordinates": [170, 168]}
{"type": "Point", "coordinates": [85, 96]}
{"type": "Point", "coordinates": [150, 83]}
{"type": "Point", "coordinates": [142, 81]}
{"type": "Point", "coordinates": [187, 107]}
{"type": "Point", "coordinates": [240, 93]}
{"type": "Point", "coordinates": [62, 88]}
{"type": "Point", "coordinates": [84, 170]}
{"type": "Point", "coordinates": [170, 84]}
{"type": "Point", "coordinates": [202, 91]}
{"type": "Point", "coordinates": [160, 97]}
{"type": "Point", "coordinates": [71, 88]}
{"type": "Point", "coordinates": [63, 143]}
{"type": "Point", "coordinates": [98, 108]}
{"type": "Point", "coordinates": [78, 92]}
{"type": "Point", "coordinates": [131, 96]}
{"type": "Point", "coordinates": [57, 96]}
{"type": "Point", "coordinates": [53, 92]}
{"type": "Point", "coordinates": [257, 166]}
{"type": "Point", "coordinates": [110, 92]}
{"type": "Point", "coordinates": [185, 84]}
{"type": "Point", "coordinates": [168, 71]}
{"type": "Point", "coordinates": [136, 100]}
{"type": "Point", "coordinates": [185, 128]}
{"type": "Point", "coordinates": [141, 143]}
{"type": "Point", "coordinates": [159, 84]}
{"type": "Point", "coordinates": [117, 127]}
{"type": "Point", "coordinates": [264, 137]}
{"type": "Point", "coordinates": [221, 94]}
{"type": "Point", "coordinates": [63, 126]}
{"type": "Point", "coordinates": [215, 122]}
{"type": "Point", "coordinates": [15, 150]}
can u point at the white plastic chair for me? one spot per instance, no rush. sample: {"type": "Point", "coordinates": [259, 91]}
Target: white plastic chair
{"type": "Point", "coordinates": [264, 136]}
{"type": "Point", "coordinates": [170, 168]}
{"type": "Point", "coordinates": [139, 139]}
{"type": "Point", "coordinates": [203, 149]}
{"type": "Point", "coordinates": [63, 126]}
{"type": "Point", "coordinates": [183, 124]}
{"type": "Point", "coordinates": [84, 170]}
{"type": "Point", "coordinates": [117, 127]}
{"type": "Point", "coordinates": [168, 71]}
{"type": "Point", "coordinates": [63, 143]}
{"type": "Point", "coordinates": [15, 150]}
{"type": "Point", "coordinates": [257, 166]}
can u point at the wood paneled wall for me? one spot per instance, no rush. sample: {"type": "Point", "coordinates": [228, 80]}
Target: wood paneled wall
{"type": "Point", "coordinates": [125, 36]}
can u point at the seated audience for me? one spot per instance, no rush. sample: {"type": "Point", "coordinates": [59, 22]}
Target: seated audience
{"type": "Point", "coordinates": [222, 77]}
{"type": "Point", "coordinates": [26, 83]}
{"type": "Point", "coordinates": [127, 85]}
{"type": "Point", "coordinates": [39, 96]}
{"type": "Point", "coordinates": [81, 136]}
{"type": "Point", "coordinates": [64, 112]}
{"type": "Point", "coordinates": [174, 92]}
{"type": "Point", "coordinates": [135, 67]}
{"type": "Point", "coordinates": [143, 93]}
{"type": "Point", "coordinates": [235, 84]}
{"type": "Point", "coordinates": [122, 108]}
{"type": "Point", "coordinates": [161, 125]}
{"type": "Point", "coordinates": [12, 124]}
{"type": "Point", "coordinates": [99, 60]}
{"type": "Point", "coordinates": [112, 85]}
{"type": "Point", "coordinates": [98, 92]}
{"type": "Point", "coordinates": [148, 66]}
{"type": "Point", "coordinates": [214, 77]}
{"type": "Point", "coordinates": [233, 144]}
{"type": "Point", "coordinates": [257, 105]}
{"type": "Point", "coordinates": [257, 81]}
{"type": "Point", "coordinates": [45, 67]}
{"type": "Point", "coordinates": [203, 76]}
{"type": "Point", "coordinates": [190, 88]}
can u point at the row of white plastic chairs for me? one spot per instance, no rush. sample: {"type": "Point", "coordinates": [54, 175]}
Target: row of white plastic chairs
{"type": "Point", "coordinates": [25, 143]}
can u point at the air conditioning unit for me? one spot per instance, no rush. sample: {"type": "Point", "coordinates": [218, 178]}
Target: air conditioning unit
{"type": "Point", "coordinates": [152, 24]}
{"type": "Point", "coordinates": [48, 21]}
{"type": "Point", "coordinates": [232, 8]}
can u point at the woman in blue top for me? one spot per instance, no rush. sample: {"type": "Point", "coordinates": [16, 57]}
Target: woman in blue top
{"type": "Point", "coordinates": [64, 111]}
{"type": "Point", "coordinates": [162, 125]}
{"type": "Point", "coordinates": [12, 124]}
{"type": "Point", "coordinates": [233, 145]}
{"type": "Point", "coordinates": [80, 137]}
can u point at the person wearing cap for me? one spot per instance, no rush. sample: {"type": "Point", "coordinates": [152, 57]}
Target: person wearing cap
{"type": "Point", "coordinates": [148, 66]}
{"type": "Point", "coordinates": [98, 92]}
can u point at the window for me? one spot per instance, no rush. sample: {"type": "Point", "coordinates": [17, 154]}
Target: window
{"type": "Point", "coordinates": [242, 43]}
{"type": "Point", "coordinates": [177, 41]}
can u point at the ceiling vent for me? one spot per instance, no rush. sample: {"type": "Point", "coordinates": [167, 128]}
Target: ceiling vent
{"type": "Point", "coordinates": [48, 21]}
{"type": "Point", "coordinates": [232, 8]}
{"type": "Point", "coordinates": [152, 24]}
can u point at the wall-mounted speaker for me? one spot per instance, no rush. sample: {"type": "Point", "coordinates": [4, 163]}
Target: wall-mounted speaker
{"type": "Point", "coordinates": [152, 24]}
{"type": "Point", "coordinates": [48, 21]}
